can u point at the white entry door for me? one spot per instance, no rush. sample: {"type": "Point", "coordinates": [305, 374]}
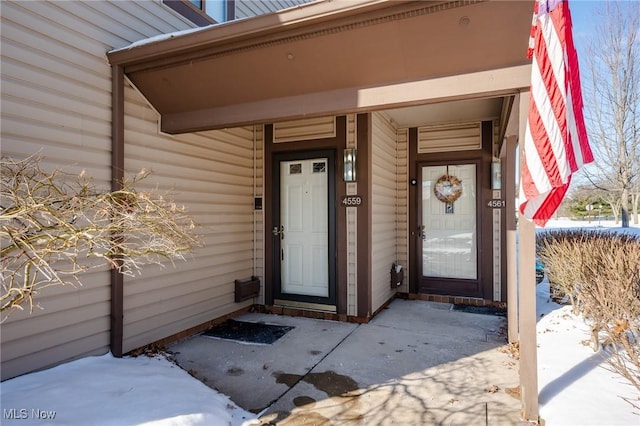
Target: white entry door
{"type": "Point", "coordinates": [304, 227]}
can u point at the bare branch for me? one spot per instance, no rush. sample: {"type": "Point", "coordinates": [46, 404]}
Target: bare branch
{"type": "Point", "coordinates": [600, 274]}
{"type": "Point", "coordinates": [54, 225]}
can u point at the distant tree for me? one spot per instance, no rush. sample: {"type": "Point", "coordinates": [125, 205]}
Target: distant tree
{"type": "Point", "coordinates": [612, 103]}
{"type": "Point", "coordinates": [614, 202]}
{"type": "Point", "coordinates": [601, 201]}
{"type": "Point", "coordinates": [635, 200]}
{"type": "Point", "coordinates": [54, 225]}
{"type": "Point", "coordinates": [577, 201]}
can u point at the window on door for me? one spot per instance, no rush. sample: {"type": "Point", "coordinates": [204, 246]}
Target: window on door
{"type": "Point", "coordinates": [449, 223]}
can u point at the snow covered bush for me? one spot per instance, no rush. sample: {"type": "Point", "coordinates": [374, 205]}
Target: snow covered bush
{"type": "Point", "coordinates": [600, 272]}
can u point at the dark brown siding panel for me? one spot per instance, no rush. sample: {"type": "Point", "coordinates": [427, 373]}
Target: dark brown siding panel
{"type": "Point", "coordinates": [268, 214]}
{"type": "Point", "coordinates": [117, 175]}
{"type": "Point", "coordinates": [413, 210]}
{"type": "Point", "coordinates": [363, 137]}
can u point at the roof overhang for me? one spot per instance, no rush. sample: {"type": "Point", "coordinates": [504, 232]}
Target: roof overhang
{"type": "Point", "coordinates": [332, 57]}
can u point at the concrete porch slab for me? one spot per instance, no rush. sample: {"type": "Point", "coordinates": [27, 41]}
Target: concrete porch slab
{"type": "Point", "coordinates": [415, 363]}
{"type": "Point", "coordinates": [248, 373]}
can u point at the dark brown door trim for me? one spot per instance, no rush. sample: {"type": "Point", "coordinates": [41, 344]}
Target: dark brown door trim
{"type": "Point", "coordinates": [413, 210]}
{"type": "Point", "coordinates": [330, 155]}
{"type": "Point", "coordinates": [337, 143]}
{"type": "Point", "coordinates": [484, 289]}
{"type": "Point", "coordinates": [453, 286]}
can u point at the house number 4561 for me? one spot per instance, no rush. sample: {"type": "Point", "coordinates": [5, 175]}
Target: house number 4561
{"type": "Point", "coordinates": [352, 201]}
{"type": "Point", "coordinates": [496, 204]}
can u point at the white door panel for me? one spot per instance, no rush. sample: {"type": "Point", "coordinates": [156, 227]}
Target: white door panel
{"type": "Point", "coordinates": [304, 209]}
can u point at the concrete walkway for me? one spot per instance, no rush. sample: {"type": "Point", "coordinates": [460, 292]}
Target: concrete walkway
{"type": "Point", "coordinates": [416, 363]}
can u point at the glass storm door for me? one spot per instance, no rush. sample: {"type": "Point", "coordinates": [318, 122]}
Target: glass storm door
{"type": "Point", "coordinates": [305, 233]}
{"type": "Point", "coordinates": [448, 246]}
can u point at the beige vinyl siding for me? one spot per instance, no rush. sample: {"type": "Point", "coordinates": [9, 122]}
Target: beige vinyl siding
{"type": "Point", "coordinates": [72, 322]}
{"type": "Point", "coordinates": [384, 208]}
{"type": "Point", "coordinates": [56, 101]}
{"type": "Point", "coordinates": [452, 137]}
{"type": "Point", "coordinates": [305, 129]}
{"type": "Point", "coordinates": [211, 173]}
{"type": "Point", "coordinates": [248, 8]}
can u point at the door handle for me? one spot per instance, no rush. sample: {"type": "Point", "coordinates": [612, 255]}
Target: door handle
{"type": "Point", "coordinates": [421, 233]}
{"type": "Point", "coordinates": [276, 231]}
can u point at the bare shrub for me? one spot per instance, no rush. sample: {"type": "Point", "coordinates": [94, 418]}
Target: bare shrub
{"type": "Point", "coordinates": [611, 299]}
{"type": "Point", "coordinates": [54, 225]}
{"type": "Point", "coordinates": [601, 272]}
{"type": "Point", "coordinates": [560, 252]}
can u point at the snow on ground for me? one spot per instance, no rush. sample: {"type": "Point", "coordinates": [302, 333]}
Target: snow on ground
{"type": "Point", "coordinates": [104, 390]}
{"type": "Point", "coordinates": [602, 225]}
{"type": "Point", "coordinates": [575, 387]}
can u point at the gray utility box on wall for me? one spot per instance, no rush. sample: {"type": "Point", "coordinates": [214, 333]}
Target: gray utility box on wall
{"type": "Point", "coordinates": [247, 288]}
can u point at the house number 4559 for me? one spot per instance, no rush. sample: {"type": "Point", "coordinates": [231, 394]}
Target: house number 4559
{"type": "Point", "coordinates": [352, 201]}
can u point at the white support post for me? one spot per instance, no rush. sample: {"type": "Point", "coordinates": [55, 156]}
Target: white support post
{"type": "Point", "coordinates": [527, 299]}
{"type": "Point", "coordinates": [527, 320]}
{"type": "Point", "coordinates": [511, 248]}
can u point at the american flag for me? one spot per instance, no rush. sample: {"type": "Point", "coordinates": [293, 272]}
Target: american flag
{"type": "Point", "coordinates": [556, 143]}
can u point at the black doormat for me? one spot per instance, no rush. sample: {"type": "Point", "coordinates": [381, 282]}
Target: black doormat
{"type": "Point", "coordinates": [252, 332]}
{"type": "Point", "coordinates": [485, 310]}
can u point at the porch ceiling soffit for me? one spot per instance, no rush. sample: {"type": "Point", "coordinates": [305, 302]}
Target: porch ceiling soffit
{"type": "Point", "coordinates": [332, 57]}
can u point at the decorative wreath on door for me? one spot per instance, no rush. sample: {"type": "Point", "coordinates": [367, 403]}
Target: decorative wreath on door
{"type": "Point", "coordinates": [448, 188]}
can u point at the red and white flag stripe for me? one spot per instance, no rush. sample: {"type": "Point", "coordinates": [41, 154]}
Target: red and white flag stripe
{"type": "Point", "coordinates": [556, 143]}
